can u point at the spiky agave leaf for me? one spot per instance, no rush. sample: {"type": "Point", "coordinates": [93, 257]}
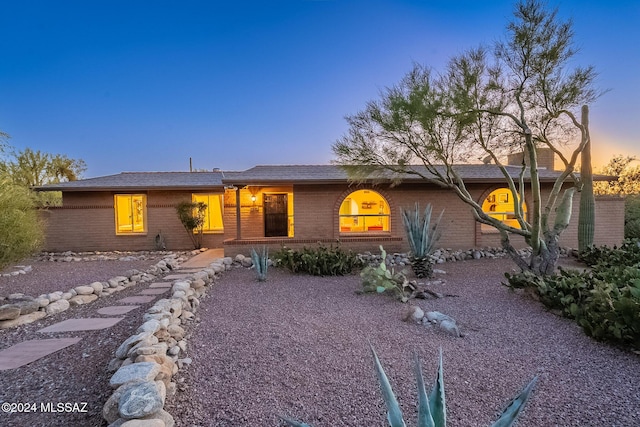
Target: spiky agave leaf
{"type": "Point", "coordinates": [437, 401]}
{"type": "Point", "coordinates": [424, 411]}
{"type": "Point", "coordinates": [510, 414]}
{"type": "Point", "coordinates": [294, 423]}
{"type": "Point", "coordinates": [394, 414]}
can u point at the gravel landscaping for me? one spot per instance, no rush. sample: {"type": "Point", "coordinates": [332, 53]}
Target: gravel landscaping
{"type": "Point", "coordinates": [298, 346]}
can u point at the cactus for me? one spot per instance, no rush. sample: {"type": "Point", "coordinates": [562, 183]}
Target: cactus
{"type": "Point", "coordinates": [432, 411]}
{"type": "Point", "coordinates": [260, 262]}
{"type": "Point", "coordinates": [586, 215]}
{"type": "Point", "coordinates": [563, 212]}
{"type": "Point", "coordinates": [422, 236]}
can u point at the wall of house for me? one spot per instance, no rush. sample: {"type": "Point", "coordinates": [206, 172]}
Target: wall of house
{"type": "Point", "coordinates": [86, 222]}
{"type": "Point", "coordinates": [317, 220]}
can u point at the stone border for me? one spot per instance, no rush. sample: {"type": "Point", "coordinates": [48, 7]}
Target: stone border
{"type": "Point", "coordinates": [21, 309]}
{"type": "Point", "coordinates": [145, 363]}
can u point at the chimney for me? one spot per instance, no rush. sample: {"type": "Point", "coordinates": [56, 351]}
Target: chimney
{"type": "Point", "coordinates": [546, 158]}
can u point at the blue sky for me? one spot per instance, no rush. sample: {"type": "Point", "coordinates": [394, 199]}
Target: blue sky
{"type": "Point", "coordinates": [144, 86]}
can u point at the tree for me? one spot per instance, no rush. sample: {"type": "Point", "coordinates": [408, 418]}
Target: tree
{"type": "Point", "coordinates": [628, 181]}
{"type": "Point", "coordinates": [34, 168]}
{"type": "Point", "coordinates": [20, 227]}
{"type": "Point", "coordinates": [518, 96]}
{"type": "Point", "coordinates": [192, 217]}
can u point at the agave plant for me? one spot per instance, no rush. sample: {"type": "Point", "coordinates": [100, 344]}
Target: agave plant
{"type": "Point", "coordinates": [260, 262]}
{"type": "Point", "coordinates": [422, 235]}
{"type": "Point", "coordinates": [432, 410]}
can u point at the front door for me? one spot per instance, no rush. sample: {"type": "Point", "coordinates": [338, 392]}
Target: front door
{"type": "Point", "coordinates": [275, 215]}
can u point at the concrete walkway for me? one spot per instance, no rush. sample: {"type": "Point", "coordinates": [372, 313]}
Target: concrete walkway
{"type": "Point", "coordinates": [29, 351]}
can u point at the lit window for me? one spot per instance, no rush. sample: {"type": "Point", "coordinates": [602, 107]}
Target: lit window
{"type": "Point", "coordinates": [131, 213]}
{"type": "Point", "coordinates": [500, 205]}
{"type": "Point", "coordinates": [364, 211]}
{"type": "Point", "coordinates": [213, 218]}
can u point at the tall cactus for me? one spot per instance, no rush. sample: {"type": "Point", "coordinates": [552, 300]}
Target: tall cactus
{"type": "Point", "coordinates": [586, 216]}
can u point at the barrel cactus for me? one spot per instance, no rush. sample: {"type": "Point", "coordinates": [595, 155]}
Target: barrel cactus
{"type": "Point", "coordinates": [432, 411]}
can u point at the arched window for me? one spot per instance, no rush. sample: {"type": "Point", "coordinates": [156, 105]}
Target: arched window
{"type": "Point", "coordinates": [499, 204]}
{"type": "Point", "coordinates": [364, 211]}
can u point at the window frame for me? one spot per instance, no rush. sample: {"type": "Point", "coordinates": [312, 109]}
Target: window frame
{"type": "Point", "coordinates": [366, 230]}
{"type": "Point", "coordinates": [130, 197]}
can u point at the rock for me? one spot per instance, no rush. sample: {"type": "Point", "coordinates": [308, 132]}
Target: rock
{"type": "Point", "coordinates": [450, 327]}
{"type": "Point", "coordinates": [227, 260]}
{"type": "Point", "coordinates": [436, 316]}
{"type": "Point", "coordinates": [57, 307]}
{"type": "Point", "coordinates": [43, 301]}
{"type": "Point", "coordinates": [247, 263]}
{"type": "Point", "coordinates": [97, 287]}
{"type": "Point", "coordinates": [143, 399]}
{"type": "Point", "coordinates": [83, 299]}
{"type": "Point", "coordinates": [67, 295]}
{"type": "Point", "coordinates": [176, 332]}
{"type": "Point", "coordinates": [152, 325]}
{"type": "Point", "coordinates": [151, 422]}
{"type": "Point", "coordinates": [9, 312]}
{"type": "Point", "coordinates": [126, 345]}
{"type": "Point", "coordinates": [22, 320]}
{"type": "Point", "coordinates": [145, 371]}
{"type": "Point", "coordinates": [180, 286]}
{"type": "Point", "coordinates": [83, 290]}
{"type": "Point", "coordinates": [54, 296]}
{"type": "Point", "coordinates": [110, 408]}
{"type": "Point", "coordinates": [239, 258]}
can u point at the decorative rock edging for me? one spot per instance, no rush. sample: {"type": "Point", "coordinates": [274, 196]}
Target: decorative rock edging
{"type": "Point", "coordinates": [145, 363]}
{"type": "Point", "coordinates": [20, 309]}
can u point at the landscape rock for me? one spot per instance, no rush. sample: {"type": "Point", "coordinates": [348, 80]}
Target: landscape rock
{"type": "Point", "coordinates": [84, 290]}
{"type": "Point", "coordinates": [143, 399]}
{"type": "Point", "coordinates": [145, 371]}
{"type": "Point", "coordinates": [110, 408]}
{"type": "Point", "coordinates": [57, 307]}
{"type": "Point", "coordinates": [82, 299]}
{"type": "Point", "coordinates": [9, 312]}
{"type": "Point", "coordinates": [22, 320]}
{"type": "Point", "coordinates": [450, 327]}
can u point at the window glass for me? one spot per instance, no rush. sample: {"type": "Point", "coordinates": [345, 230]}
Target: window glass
{"type": "Point", "coordinates": [213, 218]}
{"type": "Point", "coordinates": [130, 213]}
{"type": "Point", "coordinates": [364, 211]}
{"type": "Point", "coordinates": [500, 205]}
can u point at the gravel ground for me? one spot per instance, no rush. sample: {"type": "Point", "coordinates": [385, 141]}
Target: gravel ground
{"type": "Point", "coordinates": [298, 346]}
{"type": "Point", "coordinates": [77, 373]}
{"type": "Point", "coordinates": [52, 276]}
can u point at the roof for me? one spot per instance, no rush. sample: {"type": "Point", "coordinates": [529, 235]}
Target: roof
{"type": "Point", "coordinates": [274, 175]}
{"type": "Point", "coordinates": [134, 181]}
{"type": "Point", "coordinates": [328, 174]}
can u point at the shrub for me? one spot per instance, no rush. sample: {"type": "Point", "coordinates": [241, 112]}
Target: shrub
{"type": "Point", "coordinates": [319, 261]}
{"type": "Point", "coordinates": [191, 215]}
{"type": "Point", "coordinates": [604, 302]}
{"type": "Point", "coordinates": [632, 217]}
{"type": "Point", "coordinates": [627, 254]}
{"type": "Point", "coordinates": [21, 230]}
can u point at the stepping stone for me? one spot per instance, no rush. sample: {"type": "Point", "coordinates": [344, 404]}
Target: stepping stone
{"type": "Point", "coordinates": [142, 299]}
{"type": "Point", "coordinates": [116, 310]}
{"type": "Point", "coordinates": [176, 276]}
{"type": "Point", "coordinates": [32, 350]}
{"type": "Point", "coordinates": [160, 285]}
{"type": "Point", "coordinates": [156, 291]}
{"type": "Point", "coordinates": [87, 324]}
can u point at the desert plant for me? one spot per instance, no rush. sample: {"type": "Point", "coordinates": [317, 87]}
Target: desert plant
{"type": "Point", "coordinates": [21, 230]}
{"type": "Point", "coordinates": [191, 216]}
{"type": "Point", "coordinates": [260, 263]}
{"type": "Point", "coordinates": [381, 279]}
{"type": "Point", "coordinates": [432, 411]}
{"type": "Point", "coordinates": [319, 261]}
{"type": "Point", "coordinates": [632, 217]}
{"type": "Point", "coordinates": [422, 235]}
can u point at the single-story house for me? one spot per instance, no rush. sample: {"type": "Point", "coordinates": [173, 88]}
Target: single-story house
{"type": "Point", "coordinates": [292, 205]}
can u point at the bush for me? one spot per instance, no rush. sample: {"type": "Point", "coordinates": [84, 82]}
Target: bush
{"type": "Point", "coordinates": [604, 302]}
{"type": "Point", "coordinates": [632, 217]}
{"type": "Point", "coordinates": [21, 230]}
{"type": "Point", "coordinates": [320, 261]}
{"type": "Point", "coordinates": [381, 279]}
{"type": "Point", "coordinates": [627, 254]}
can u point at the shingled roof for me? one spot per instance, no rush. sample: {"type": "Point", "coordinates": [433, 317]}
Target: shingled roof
{"type": "Point", "coordinates": [328, 174]}
{"type": "Point", "coordinates": [273, 175]}
{"type": "Point", "coordinates": [137, 181]}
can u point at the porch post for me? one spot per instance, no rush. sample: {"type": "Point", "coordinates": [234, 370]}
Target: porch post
{"type": "Point", "coordinates": [238, 218]}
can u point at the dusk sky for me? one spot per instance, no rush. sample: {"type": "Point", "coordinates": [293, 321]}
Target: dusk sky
{"type": "Point", "coordinates": [144, 86]}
